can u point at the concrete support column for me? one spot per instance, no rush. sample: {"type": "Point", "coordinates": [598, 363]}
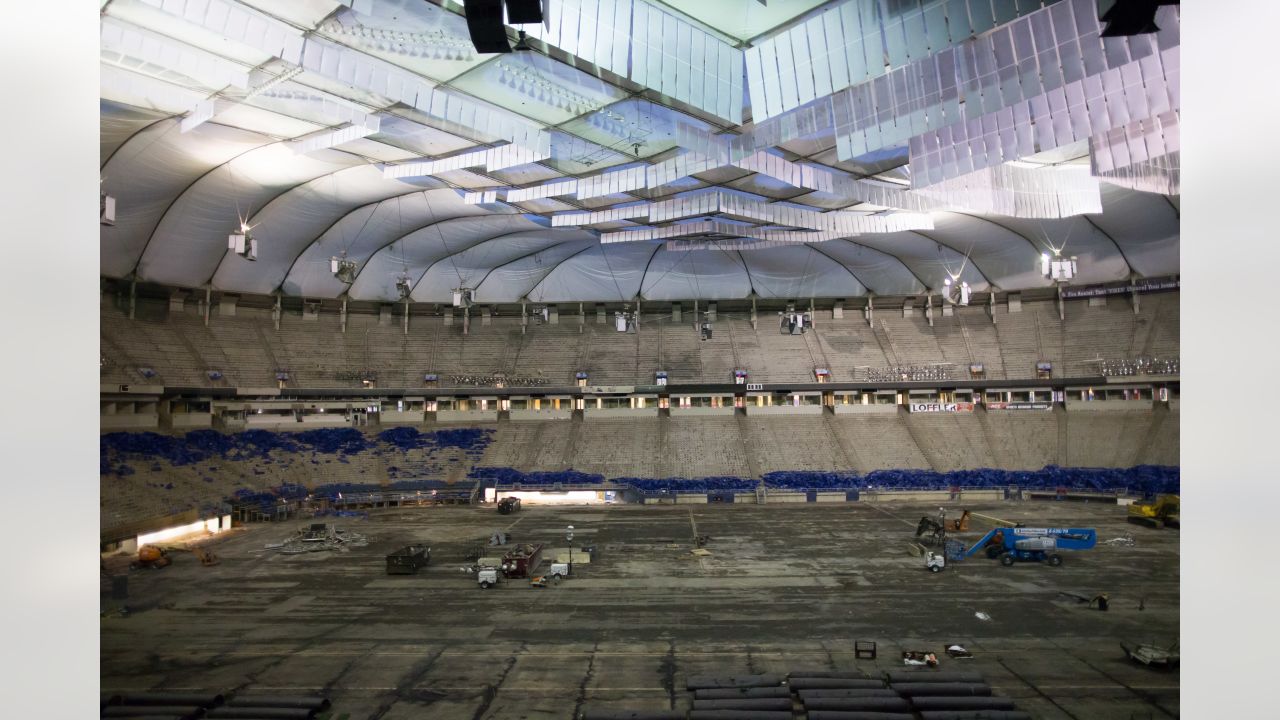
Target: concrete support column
{"type": "Point", "coordinates": [342, 316]}
{"type": "Point", "coordinates": [133, 297]}
{"type": "Point", "coordinates": [1062, 305]}
{"type": "Point", "coordinates": [675, 312]}
{"type": "Point", "coordinates": [991, 306]}
{"type": "Point", "coordinates": [754, 317]}
{"type": "Point", "coordinates": [553, 315]}
{"type": "Point", "coordinates": [711, 312]}
{"type": "Point", "coordinates": [928, 309]}
{"type": "Point", "coordinates": [227, 305]}
{"type": "Point", "coordinates": [837, 310]}
{"type": "Point", "coordinates": [870, 311]}
{"type": "Point", "coordinates": [208, 301]}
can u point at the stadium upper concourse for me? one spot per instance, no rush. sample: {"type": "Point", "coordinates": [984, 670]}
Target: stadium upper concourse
{"type": "Point", "coordinates": [740, 292]}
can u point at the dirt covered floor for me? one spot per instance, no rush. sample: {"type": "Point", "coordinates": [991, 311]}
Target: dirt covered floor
{"type": "Point", "coordinates": [784, 587]}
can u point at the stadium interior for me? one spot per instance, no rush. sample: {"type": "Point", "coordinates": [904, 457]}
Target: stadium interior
{"type": "Point", "coordinates": [608, 359]}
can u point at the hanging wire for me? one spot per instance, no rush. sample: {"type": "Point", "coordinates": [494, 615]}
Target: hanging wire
{"type": "Point", "coordinates": [1057, 250]}
{"type": "Point", "coordinates": [963, 263]}
{"type": "Point", "coordinates": [612, 276]}
{"type": "Point", "coordinates": [449, 253]}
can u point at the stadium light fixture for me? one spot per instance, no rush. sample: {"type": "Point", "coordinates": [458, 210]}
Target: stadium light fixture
{"type": "Point", "coordinates": [342, 268]}
{"type": "Point", "coordinates": [956, 294]}
{"type": "Point", "coordinates": [106, 209]}
{"type": "Point", "coordinates": [1058, 268]}
{"type": "Point", "coordinates": [242, 243]}
{"type": "Point", "coordinates": [404, 287]}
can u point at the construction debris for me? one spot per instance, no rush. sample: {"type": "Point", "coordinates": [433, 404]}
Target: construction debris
{"type": "Point", "coordinates": [919, 657]}
{"type": "Point", "coordinates": [320, 537]}
{"type": "Point", "coordinates": [958, 652]}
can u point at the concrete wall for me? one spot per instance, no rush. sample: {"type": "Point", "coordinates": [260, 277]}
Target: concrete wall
{"type": "Point", "coordinates": [401, 417]}
{"type": "Point", "coordinates": [129, 421]}
{"type": "Point", "coordinates": [523, 415]}
{"type": "Point", "coordinates": [784, 410]}
{"type": "Point", "coordinates": [701, 411]}
{"type": "Point", "coordinates": [466, 416]}
{"type": "Point", "coordinates": [182, 421]}
{"type": "Point", "coordinates": [866, 409]}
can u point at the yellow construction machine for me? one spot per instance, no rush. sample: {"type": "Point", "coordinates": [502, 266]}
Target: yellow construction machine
{"type": "Point", "coordinates": [1161, 512]}
{"type": "Point", "coordinates": [157, 556]}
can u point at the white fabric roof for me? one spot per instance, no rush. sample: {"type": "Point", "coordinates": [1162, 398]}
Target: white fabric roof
{"type": "Point", "coordinates": [179, 194]}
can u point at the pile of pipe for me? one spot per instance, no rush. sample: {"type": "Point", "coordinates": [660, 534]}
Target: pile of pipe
{"type": "Point", "coordinates": [763, 697]}
{"type": "Point", "coordinates": [304, 542]}
{"type": "Point", "coordinates": [190, 706]}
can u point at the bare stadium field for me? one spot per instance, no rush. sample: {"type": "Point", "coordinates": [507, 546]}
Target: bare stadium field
{"type": "Point", "coordinates": [785, 587]}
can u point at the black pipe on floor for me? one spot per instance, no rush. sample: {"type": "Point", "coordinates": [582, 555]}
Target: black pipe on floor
{"type": "Point", "coordinates": [204, 700]}
{"type": "Point", "coordinates": [148, 717]}
{"type": "Point", "coordinates": [833, 683]}
{"type": "Point", "coordinates": [848, 693]}
{"type": "Point", "coordinates": [700, 682]}
{"type": "Point", "coordinates": [745, 704]}
{"type": "Point", "coordinates": [739, 715]}
{"type": "Point", "coordinates": [962, 703]}
{"type": "Point", "coordinates": [939, 688]}
{"type": "Point", "coordinates": [858, 715]}
{"type": "Point", "coordinates": [909, 676]}
{"type": "Point", "coordinates": [877, 704]}
{"type": "Point", "coordinates": [263, 713]}
{"type": "Point", "coordinates": [741, 693]}
{"type": "Point", "coordinates": [285, 701]}
{"type": "Point", "coordinates": [590, 714]}
{"type": "Point", "coordinates": [974, 715]}
{"type": "Point", "coordinates": [846, 674]}
{"type": "Point", "coordinates": [183, 711]}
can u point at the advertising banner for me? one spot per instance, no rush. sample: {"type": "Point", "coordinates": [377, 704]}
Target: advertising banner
{"type": "Point", "coordinates": [940, 407]}
{"type": "Point", "coordinates": [1143, 286]}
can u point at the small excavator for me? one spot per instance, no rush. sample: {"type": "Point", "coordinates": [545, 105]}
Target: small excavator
{"type": "Point", "coordinates": [157, 556]}
{"type": "Point", "coordinates": [1160, 513]}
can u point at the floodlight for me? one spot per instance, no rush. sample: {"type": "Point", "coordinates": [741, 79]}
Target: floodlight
{"type": "Point", "coordinates": [106, 209]}
{"type": "Point", "coordinates": [243, 244]}
{"type": "Point", "coordinates": [343, 269]}
{"type": "Point", "coordinates": [403, 287]}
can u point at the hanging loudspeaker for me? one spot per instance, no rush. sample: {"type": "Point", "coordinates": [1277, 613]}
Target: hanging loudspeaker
{"type": "Point", "coordinates": [524, 12]}
{"type": "Point", "coordinates": [484, 23]}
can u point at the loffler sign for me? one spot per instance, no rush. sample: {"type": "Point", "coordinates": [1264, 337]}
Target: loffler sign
{"type": "Point", "coordinates": [941, 407]}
